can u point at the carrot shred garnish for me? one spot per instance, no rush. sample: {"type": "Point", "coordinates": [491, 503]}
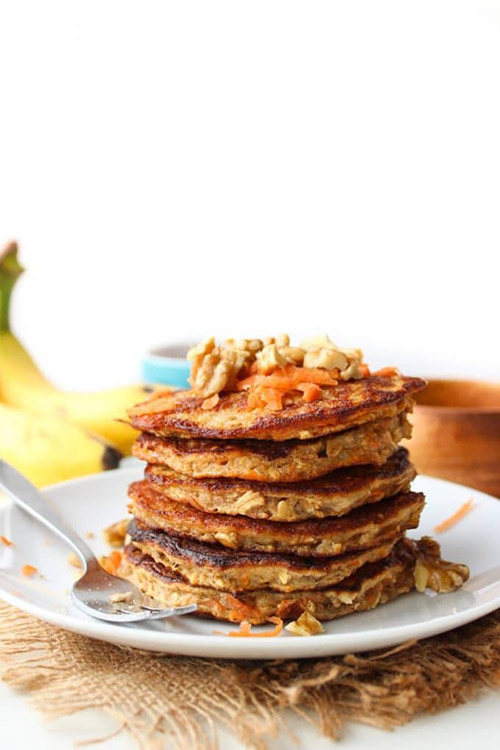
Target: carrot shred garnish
{"type": "Point", "coordinates": [245, 630]}
{"type": "Point", "coordinates": [272, 397]}
{"type": "Point", "coordinates": [112, 562]}
{"type": "Point", "coordinates": [210, 403]}
{"type": "Point", "coordinates": [311, 391]}
{"type": "Point", "coordinates": [6, 541]}
{"type": "Point", "coordinates": [387, 371]}
{"type": "Point", "coordinates": [255, 399]}
{"type": "Point", "coordinates": [464, 509]}
{"type": "Point", "coordinates": [28, 570]}
{"type": "Point", "coordinates": [268, 390]}
{"type": "Point", "coordinates": [364, 370]}
{"type": "Point", "coordinates": [116, 558]}
{"type": "Point", "coordinates": [287, 378]}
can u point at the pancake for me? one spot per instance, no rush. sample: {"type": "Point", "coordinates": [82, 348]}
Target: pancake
{"type": "Point", "coordinates": [363, 527]}
{"type": "Point", "coordinates": [217, 567]}
{"type": "Point", "coordinates": [335, 494]}
{"type": "Point", "coordinates": [267, 461]}
{"type": "Point", "coordinates": [350, 403]}
{"type": "Point", "coordinates": [371, 585]}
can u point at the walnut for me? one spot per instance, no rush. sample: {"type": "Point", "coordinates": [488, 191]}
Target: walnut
{"type": "Point", "coordinates": [327, 358]}
{"type": "Point", "coordinates": [294, 355]}
{"type": "Point", "coordinates": [353, 371]}
{"type": "Point", "coordinates": [282, 340]}
{"type": "Point", "coordinates": [432, 572]}
{"type": "Point", "coordinates": [248, 345]}
{"type": "Point", "coordinates": [114, 535]}
{"type": "Point", "coordinates": [306, 625]}
{"type": "Point", "coordinates": [318, 342]}
{"type": "Point", "coordinates": [269, 359]}
{"type": "Point", "coordinates": [215, 368]}
{"type": "Point", "coordinates": [323, 353]}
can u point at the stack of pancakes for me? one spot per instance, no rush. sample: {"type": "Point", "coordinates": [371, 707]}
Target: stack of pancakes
{"type": "Point", "coordinates": [258, 513]}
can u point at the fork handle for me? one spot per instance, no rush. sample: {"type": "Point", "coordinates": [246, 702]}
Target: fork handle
{"type": "Point", "coordinates": [24, 494]}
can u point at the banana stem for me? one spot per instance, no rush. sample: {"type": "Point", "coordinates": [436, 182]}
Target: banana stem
{"type": "Point", "coordinates": [10, 270]}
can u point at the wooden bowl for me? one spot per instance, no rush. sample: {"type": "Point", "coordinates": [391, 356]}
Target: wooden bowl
{"type": "Point", "coordinates": [456, 433]}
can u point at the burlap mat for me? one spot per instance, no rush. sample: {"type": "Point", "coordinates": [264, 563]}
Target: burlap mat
{"type": "Point", "coordinates": [176, 702]}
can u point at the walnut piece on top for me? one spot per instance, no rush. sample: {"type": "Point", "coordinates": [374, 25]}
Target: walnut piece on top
{"type": "Point", "coordinates": [216, 368]}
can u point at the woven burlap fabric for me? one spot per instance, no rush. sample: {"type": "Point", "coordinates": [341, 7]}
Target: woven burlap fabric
{"type": "Point", "coordinates": [176, 702]}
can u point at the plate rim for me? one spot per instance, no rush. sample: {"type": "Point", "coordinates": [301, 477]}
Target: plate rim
{"type": "Point", "coordinates": [219, 646]}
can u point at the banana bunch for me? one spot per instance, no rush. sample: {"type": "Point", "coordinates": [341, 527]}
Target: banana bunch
{"type": "Point", "coordinates": [48, 434]}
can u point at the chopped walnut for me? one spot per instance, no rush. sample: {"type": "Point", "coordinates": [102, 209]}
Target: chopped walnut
{"type": "Point", "coordinates": [269, 359]}
{"type": "Point", "coordinates": [318, 342]}
{"type": "Point", "coordinates": [216, 368]}
{"type": "Point", "coordinates": [294, 355]}
{"type": "Point", "coordinates": [114, 535]}
{"type": "Point", "coordinates": [432, 572]}
{"type": "Point", "coordinates": [247, 345]}
{"type": "Point", "coordinates": [323, 353]}
{"type": "Point", "coordinates": [305, 625]}
{"type": "Point", "coordinates": [326, 358]}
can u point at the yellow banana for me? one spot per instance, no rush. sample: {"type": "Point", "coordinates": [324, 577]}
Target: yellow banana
{"type": "Point", "coordinates": [23, 386]}
{"type": "Point", "coordinates": [48, 450]}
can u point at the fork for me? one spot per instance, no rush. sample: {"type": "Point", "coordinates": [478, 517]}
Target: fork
{"type": "Point", "coordinates": [97, 593]}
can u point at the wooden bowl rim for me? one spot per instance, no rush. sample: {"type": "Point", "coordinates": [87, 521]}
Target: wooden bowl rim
{"type": "Point", "coordinates": [464, 410]}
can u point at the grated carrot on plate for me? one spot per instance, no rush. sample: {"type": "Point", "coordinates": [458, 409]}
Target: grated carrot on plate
{"type": "Point", "coordinates": [6, 541]}
{"type": "Point", "coordinates": [455, 518]}
{"type": "Point", "coordinates": [28, 570]}
{"type": "Point", "coordinates": [245, 630]}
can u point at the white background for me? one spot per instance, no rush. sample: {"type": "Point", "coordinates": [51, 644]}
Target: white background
{"type": "Point", "coordinates": [173, 169]}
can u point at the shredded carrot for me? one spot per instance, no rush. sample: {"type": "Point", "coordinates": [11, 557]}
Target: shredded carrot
{"type": "Point", "coordinates": [287, 378]}
{"type": "Point", "coordinates": [268, 390]}
{"type": "Point", "coordinates": [364, 370]}
{"type": "Point", "coordinates": [245, 630]}
{"type": "Point", "coordinates": [273, 398]}
{"type": "Point", "coordinates": [387, 371]}
{"type": "Point", "coordinates": [112, 562]}
{"type": "Point", "coordinates": [464, 509]}
{"type": "Point", "coordinates": [210, 403]}
{"type": "Point", "coordinates": [6, 541]}
{"type": "Point", "coordinates": [28, 570]}
{"type": "Point", "coordinates": [255, 399]}
{"type": "Point", "coordinates": [311, 391]}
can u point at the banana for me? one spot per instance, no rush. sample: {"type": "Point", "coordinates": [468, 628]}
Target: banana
{"type": "Point", "coordinates": [48, 450]}
{"type": "Point", "coordinates": [23, 386]}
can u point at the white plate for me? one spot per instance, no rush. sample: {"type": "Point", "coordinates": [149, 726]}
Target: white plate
{"type": "Point", "coordinates": [94, 502]}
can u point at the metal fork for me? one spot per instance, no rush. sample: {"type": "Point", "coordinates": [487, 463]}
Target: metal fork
{"type": "Point", "coordinates": [97, 593]}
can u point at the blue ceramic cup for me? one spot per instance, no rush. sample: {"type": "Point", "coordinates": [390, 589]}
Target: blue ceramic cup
{"type": "Point", "coordinates": [167, 365]}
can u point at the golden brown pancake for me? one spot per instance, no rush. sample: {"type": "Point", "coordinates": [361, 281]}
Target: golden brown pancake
{"type": "Point", "coordinates": [267, 461]}
{"type": "Point", "coordinates": [373, 584]}
{"type": "Point", "coordinates": [363, 527]}
{"type": "Point", "coordinates": [217, 567]}
{"type": "Point", "coordinates": [335, 494]}
{"type": "Point", "coordinates": [351, 403]}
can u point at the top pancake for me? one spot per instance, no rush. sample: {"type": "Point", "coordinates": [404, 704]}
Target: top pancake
{"type": "Point", "coordinates": [350, 403]}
